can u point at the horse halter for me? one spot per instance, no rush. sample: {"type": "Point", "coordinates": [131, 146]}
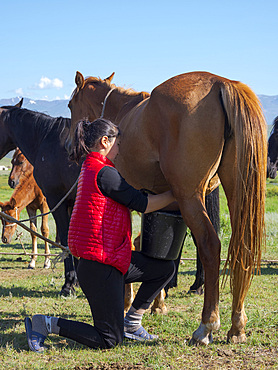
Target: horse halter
{"type": "Point", "coordinates": [105, 100]}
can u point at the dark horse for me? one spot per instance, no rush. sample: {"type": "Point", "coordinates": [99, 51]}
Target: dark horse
{"type": "Point", "coordinates": [272, 158]}
{"type": "Point", "coordinates": [41, 139]}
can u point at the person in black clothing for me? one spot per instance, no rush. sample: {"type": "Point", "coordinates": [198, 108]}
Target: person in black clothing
{"type": "Point", "coordinates": [103, 284]}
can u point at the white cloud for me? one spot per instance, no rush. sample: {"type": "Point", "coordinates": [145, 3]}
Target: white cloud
{"type": "Point", "coordinates": [19, 91]}
{"type": "Point", "coordinates": [47, 83]}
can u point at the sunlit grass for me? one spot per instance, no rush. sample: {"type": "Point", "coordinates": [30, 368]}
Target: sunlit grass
{"type": "Point", "coordinates": [25, 292]}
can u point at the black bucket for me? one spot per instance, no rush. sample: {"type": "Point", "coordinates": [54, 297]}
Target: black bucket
{"type": "Point", "coordinates": [162, 234]}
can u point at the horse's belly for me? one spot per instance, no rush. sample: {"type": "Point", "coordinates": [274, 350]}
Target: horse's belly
{"type": "Point", "coordinates": [142, 173]}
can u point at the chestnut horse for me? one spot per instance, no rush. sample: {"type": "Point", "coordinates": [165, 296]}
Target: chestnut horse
{"type": "Point", "coordinates": [26, 194]}
{"type": "Point", "coordinates": [193, 130]}
{"type": "Point", "coordinates": [21, 168]}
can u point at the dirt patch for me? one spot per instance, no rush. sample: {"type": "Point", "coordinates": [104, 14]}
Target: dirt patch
{"type": "Point", "coordinates": [114, 366]}
{"type": "Point", "coordinates": [234, 358]}
{"type": "Point", "coordinates": [204, 358]}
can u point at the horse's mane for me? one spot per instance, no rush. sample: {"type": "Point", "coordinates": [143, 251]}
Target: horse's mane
{"type": "Point", "coordinates": [274, 126]}
{"type": "Point", "coordinates": [41, 122]}
{"type": "Point", "coordinates": [99, 82]}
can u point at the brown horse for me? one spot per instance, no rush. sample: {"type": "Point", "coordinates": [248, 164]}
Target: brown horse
{"type": "Point", "coordinates": [21, 168]}
{"type": "Point", "coordinates": [193, 129]}
{"type": "Point", "coordinates": [26, 194]}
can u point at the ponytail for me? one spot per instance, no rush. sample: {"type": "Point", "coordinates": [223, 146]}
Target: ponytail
{"type": "Point", "coordinates": [88, 134]}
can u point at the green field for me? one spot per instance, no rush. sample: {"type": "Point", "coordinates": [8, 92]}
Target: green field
{"type": "Point", "coordinates": [26, 292]}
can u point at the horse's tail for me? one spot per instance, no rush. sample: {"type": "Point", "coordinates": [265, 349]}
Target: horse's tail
{"type": "Point", "coordinates": [248, 127]}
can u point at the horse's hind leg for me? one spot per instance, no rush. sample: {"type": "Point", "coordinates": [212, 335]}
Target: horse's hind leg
{"type": "Point", "coordinates": [239, 319]}
{"type": "Point", "coordinates": [212, 206]}
{"type": "Point", "coordinates": [159, 306]}
{"type": "Point", "coordinates": [196, 218]}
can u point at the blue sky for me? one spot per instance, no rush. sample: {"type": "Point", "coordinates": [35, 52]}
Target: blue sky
{"type": "Point", "coordinates": [44, 43]}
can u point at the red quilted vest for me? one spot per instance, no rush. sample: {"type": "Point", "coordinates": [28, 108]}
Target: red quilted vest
{"type": "Point", "coordinates": [100, 228]}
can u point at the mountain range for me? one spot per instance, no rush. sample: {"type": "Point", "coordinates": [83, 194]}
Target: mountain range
{"type": "Point", "coordinates": [56, 108]}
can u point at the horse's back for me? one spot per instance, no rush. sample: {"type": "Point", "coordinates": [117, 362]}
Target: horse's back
{"type": "Point", "coordinates": [181, 124]}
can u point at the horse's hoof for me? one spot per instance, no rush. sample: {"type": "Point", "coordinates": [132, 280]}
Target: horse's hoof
{"type": "Point", "coordinates": [76, 284]}
{"type": "Point", "coordinates": [159, 311]}
{"type": "Point", "coordinates": [198, 291]}
{"type": "Point", "coordinates": [236, 339]}
{"type": "Point", "coordinates": [201, 342]}
{"type": "Point", "coordinates": [67, 291]}
{"type": "Point", "coordinates": [203, 335]}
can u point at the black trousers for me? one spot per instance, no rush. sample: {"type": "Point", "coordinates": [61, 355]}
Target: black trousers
{"type": "Point", "coordinates": [103, 286]}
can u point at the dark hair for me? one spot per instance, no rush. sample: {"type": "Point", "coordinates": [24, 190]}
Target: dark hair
{"type": "Point", "coordinates": [88, 135]}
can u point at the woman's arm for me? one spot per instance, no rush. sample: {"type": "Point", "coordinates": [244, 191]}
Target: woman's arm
{"type": "Point", "coordinates": [113, 185]}
{"type": "Point", "coordinates": [159, 201]}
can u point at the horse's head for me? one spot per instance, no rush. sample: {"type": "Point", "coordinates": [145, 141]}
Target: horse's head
{"type": "Point", "coordinates": [20, 167]}
{"type": "Point", "coordinates": [86, 101]}
{"type": "Point", "coordinates": [272, 158]}
{"type": "Point", "coordinates": [6, 142]}
{"type": "Point", "coordinates": [9, 227]}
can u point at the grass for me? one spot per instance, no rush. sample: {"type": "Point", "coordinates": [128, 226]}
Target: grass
{"type": "Point", "coordinates": [26, 292]}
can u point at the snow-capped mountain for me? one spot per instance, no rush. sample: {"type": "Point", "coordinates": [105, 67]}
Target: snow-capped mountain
{"type": "Point", "coordinates": [56, 108]}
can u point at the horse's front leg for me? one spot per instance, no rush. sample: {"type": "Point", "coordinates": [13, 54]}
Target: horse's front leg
{"type": "Point", "coordinates": [61, 217]}
{"type": "Point", "coordinates": [33, 227]}
{"type": "Point", "coordinates": [129, 296]}
{"type": "Point", "coordinates": [159, 306]}
{"type": "Point", "coordinates": [208, 244]}
{"type": "Point", "coordinates": [45, 233]}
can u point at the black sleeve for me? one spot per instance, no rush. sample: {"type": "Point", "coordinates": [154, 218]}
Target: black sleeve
{"type": "Point", "coordinates": [113, 185]}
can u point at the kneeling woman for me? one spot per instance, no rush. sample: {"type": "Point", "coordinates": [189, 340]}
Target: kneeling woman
{"type": "Point", "coordinates": [100, 235]}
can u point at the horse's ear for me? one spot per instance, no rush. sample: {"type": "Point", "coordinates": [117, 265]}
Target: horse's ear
{"type": "Point", "coordinates": [12, 203]}
{"type": "Point", "coordinates": [79, 80]}
{"type": "Point", "coordinates": [19, 104]}
{"type": "Point", "coordinates": [109, 79]}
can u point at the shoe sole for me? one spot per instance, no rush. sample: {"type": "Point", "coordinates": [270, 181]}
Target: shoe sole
{"type": "Point", "coordinates": [132, 336]}
{"type": "Point", "coordinates": [136, 337]}
{"type": "Point", "coordinates": [28, 329]}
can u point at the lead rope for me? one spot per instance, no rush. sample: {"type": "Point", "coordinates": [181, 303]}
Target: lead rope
{"type": "Point", "coordinates": [105, 100]}
{"type": "Point", "coordinates": [57, 205]}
